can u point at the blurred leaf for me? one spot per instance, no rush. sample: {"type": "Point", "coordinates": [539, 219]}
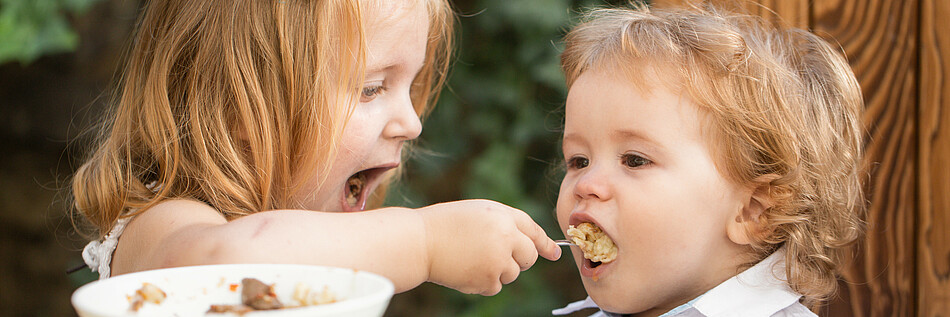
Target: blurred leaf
{"type": "Point", "coordinates": [495, 174]}
{"type": "Point", "coordinates": [31, 28]}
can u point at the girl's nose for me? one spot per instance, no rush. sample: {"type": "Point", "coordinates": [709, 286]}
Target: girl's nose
{"type": "Point", "coordinates": [404, 123]}
{"type": "Point", "coordinates": [593, 184]}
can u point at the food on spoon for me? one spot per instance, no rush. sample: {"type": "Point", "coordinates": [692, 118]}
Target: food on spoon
{"type": "Point", "coordinates": [148, 293]}
{"type": "Point", "coordinates": [595, 244]}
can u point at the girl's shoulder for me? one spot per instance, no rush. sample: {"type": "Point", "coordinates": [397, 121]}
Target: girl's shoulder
{"type": "Point", "coordinates": [153, 233]}
{"type": "Point", "coordinates": [171, 215]}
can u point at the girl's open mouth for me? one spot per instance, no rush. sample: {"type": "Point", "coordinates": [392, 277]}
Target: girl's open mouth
{"type": "Point", "coordinates": [359, 186]}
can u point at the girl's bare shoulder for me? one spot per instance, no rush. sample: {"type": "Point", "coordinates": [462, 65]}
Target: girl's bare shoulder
{"type": "Point", "coordinates": [170, 215]}
{"type": "Point", "coordinates": [155, 235]}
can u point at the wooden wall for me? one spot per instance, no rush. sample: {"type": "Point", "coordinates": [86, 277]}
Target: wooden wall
{"type": "Point", "coordinates": [899, 50]}
{"type": "Point", "coordinates": [933, 223]}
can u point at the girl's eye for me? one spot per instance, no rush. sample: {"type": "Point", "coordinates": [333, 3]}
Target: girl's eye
{"type": "Point", "coordinates": [577, 162]}
{"type": "Point", "coordinates": [633, 160]}
{"type": "Point", "coordinates": [370, 93]}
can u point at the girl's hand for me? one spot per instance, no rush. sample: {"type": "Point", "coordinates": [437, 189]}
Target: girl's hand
{"type": "Point", "coordinates": [475, 246]}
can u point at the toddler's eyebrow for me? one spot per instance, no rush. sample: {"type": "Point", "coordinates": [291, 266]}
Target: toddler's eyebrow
{"type": "Point", "coordinates": [637, 135]}
{"type": "Point", "coordinates": [571, 138]}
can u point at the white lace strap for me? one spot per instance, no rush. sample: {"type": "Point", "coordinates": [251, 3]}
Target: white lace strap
{"type": "Point", "coordinates": [98, 254]}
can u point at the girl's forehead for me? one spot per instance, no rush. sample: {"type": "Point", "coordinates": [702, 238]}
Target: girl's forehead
{"type": "Point", "coordinates": [382, 12]}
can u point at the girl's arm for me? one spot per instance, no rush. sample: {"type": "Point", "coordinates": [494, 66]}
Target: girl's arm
{"type": "Point", "coordinates": [473, 246]}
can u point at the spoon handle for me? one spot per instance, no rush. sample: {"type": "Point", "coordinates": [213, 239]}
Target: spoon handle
{"type": "Point", "coordinates": [564, 243]}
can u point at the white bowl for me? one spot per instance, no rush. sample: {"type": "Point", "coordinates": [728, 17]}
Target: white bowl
{"type": "Point", "coordinates": [190, 291]}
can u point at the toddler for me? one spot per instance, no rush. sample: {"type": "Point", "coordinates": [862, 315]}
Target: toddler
{"type": "Point", "coordinates": [260, 130]}
{"type": "Point", "coordinates": [720, 156]}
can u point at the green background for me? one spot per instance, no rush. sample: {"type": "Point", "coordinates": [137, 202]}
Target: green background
{"type": "Point", "coordinates": [494, 134]}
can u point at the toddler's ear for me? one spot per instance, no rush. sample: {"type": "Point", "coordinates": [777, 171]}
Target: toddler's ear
{"type": "Point", "coordinates": [746, 223]}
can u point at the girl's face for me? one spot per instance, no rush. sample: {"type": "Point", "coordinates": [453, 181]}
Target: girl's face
{"type": "Point", "coordinates": [639, 167]}
{"type": "Point", "coordinates": [384, 118]}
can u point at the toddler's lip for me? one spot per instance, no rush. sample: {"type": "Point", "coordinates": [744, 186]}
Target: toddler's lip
{"type": "Point", "coordinates": [581, 216]}
{"type": "Point", "coordinates": [594, 273]}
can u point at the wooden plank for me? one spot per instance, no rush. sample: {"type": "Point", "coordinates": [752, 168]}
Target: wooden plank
{"type": "Point", "coordinates": [672, 3]}
{"type": "Point", "coordinates": [933, 236]}
{"type": "Point", "coordinates": [791, 12]}
{"type": "Point", "coordinates": [880, 40]}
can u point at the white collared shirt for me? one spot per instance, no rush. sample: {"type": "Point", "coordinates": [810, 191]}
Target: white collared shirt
{"type": "Point", "coordinates": [757, 291]}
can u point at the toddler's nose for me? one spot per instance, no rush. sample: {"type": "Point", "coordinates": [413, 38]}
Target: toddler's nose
{"type": "Point", "coordinates": [593, 184]}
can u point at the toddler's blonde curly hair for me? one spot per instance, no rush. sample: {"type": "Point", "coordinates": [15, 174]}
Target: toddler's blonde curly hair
{"type": "Point", "coordinates": [778, 102]}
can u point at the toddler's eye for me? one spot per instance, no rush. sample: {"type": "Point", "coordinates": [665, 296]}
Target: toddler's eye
{"type": "Point", "coordinates": [577, 162]}
{"type": "Point", "coordinates": [369, 93]}
{"type": "Point", "coordinates": [633, 160]}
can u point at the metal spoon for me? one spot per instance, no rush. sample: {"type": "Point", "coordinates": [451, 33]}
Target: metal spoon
{"type": "Point", "coordinates": [564, 243]}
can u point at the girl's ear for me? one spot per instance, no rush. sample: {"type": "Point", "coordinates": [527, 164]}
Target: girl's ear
{"type": "Point", "coordinates": [746, 224]}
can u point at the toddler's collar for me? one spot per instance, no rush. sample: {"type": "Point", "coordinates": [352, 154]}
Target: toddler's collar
{"type": "Point", "coordinates": [761, 290]}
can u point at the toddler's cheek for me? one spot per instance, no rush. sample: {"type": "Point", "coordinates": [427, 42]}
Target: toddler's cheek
{"type": "Point", "coordinates": [563, 217]}
{"type": "Point", "coordinates": [618, 297]}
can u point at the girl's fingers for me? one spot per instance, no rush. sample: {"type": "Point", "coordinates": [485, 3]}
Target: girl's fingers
{"type": "Point", "coordinates": [493, 290]}
{"type": "Point", "coordinates": [525, 255]}
{"type": "Point", "coordinates": [542, 243]}
{"type": "Point", "coordinates": [510, 274]}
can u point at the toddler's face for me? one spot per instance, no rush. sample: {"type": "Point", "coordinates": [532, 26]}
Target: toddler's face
{"type": "Point", "coordinates": [384, 118]}
{"type": "Point", "coordinates": [639, 166]}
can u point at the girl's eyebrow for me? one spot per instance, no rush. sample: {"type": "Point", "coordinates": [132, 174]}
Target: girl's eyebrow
{"type": "Point", "coordinates": [382, 67]}
{"type": "Point", "coordinates": [390, 65]}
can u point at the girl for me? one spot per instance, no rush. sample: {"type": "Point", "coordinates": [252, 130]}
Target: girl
{"type": "Point", "coordinates": [720, 155]}
{"type": "Point", "coordinates": [236, 119]}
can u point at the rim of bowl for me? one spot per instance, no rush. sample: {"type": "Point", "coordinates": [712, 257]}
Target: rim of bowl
{"type": "Point", "coordinates": [384, 293]}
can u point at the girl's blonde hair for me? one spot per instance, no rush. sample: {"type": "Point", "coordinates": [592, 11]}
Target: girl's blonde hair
{"type": "Point", "coordinates": [778, 102]}
{"type": "Point", "coordinates": [233, 103]}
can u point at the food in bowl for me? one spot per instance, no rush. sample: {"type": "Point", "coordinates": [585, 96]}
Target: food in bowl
{"type": "Point", "coordinates": [149, 293]}
{"type": "Point", "coordinates": [304, 290]}
{"type": "Point", "coordinates": [596, 245]}
{"type": "Point", "coordinates": [307, 297]}
{"type": "Point", "coordinates": [256, 295]}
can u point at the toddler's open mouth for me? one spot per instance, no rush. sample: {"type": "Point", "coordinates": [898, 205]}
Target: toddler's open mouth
{"type": "Point", "coordinates": [598, 248]}
{"type": "Point", "coordinates": [359, 186]}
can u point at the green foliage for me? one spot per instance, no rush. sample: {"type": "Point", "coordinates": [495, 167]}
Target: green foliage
{"type": "Point", "coordinates": [495, 134]}
{"type": "Point", "coordinates": [31, 28]}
